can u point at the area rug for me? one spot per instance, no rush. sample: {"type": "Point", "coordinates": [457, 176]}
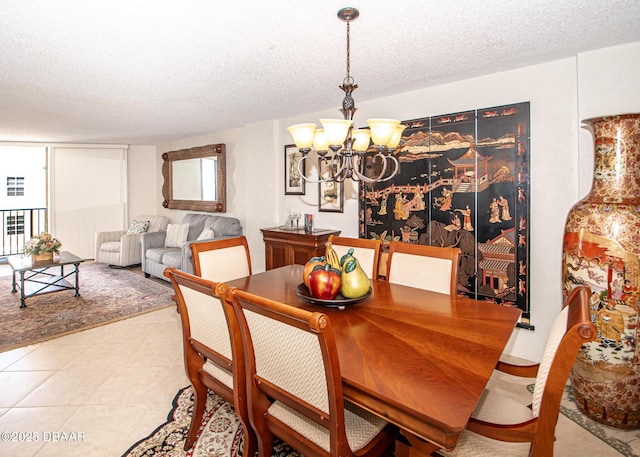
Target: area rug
{"type": "Point", "coordinates": [221, 434]}
{"type": "Point", "coordinates": [106, 295]}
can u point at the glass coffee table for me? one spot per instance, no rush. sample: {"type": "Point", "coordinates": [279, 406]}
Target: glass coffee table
{"type": "Point", "coordinates": [36, 278]}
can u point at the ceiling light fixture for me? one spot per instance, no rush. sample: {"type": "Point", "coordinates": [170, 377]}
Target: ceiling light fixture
{"type": "Point", "coordinates": [344, 148]}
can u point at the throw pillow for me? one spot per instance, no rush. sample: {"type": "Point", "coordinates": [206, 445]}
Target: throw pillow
{"type": "Point", "coordinates": [176, 235]}
{"type": "Point", "coordinates": [206, 234]}
{"type": "Point", "coordinates": [138, 227]}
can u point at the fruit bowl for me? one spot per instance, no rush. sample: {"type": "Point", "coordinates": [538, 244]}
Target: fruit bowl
{"type": "Point", "coordinates": [339, 302]}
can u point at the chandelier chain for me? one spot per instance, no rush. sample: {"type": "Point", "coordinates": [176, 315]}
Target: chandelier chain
{"type": "Point", "coordinates": [348, 79]}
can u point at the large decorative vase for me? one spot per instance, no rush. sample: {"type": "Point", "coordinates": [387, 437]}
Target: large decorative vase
{"type": "Point", "coordinates": [602, 250]}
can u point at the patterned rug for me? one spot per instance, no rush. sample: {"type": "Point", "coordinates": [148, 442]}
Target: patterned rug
{"type": "Point", "coordinates": [221, 434]}
{"type": "Point", "coordinates": [106, 295]}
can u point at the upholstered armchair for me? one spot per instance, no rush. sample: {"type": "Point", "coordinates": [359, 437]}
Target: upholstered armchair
{"type": "Point", "coordinates": [295, 391]}
{"type": "Point", "coordinates": [222, 260]}
{"type": "Point", "coordinates": [122, 248]}
{"type": "Point", "coordinates": [366, 251]}
{"type": "Point", "coordinates": [502, 426]}
{"type": "Point", "coordinates": [213, 355]}
{"type": "Point", "coordinates": [425, 267]}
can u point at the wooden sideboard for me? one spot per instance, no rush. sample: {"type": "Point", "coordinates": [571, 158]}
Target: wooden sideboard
{"type": "Point", "coordinates": [288, 247]}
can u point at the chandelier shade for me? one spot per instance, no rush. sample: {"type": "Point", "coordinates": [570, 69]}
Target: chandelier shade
{"type": "Point", "coordinates": [361, 139]}
{"type": "Point", "coordinates": [382, 130]}
{"type": "Point", "coordinates": [320, 142]}
{"type": "Point", "coordinates": [340, 148]}
{"type": "Point", "coordinates": [396, 137]}
{"type": "Point", "coordinates": [302, 135]}
{"type": "Point", "coordinates": [336, 130]}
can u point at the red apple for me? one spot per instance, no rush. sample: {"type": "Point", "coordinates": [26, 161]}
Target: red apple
{"type": "Point", "coordinates": [325, 282]}
{"type": "Point", "coordinates": [309, 266]}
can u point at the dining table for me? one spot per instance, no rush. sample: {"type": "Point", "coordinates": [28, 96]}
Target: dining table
{"type": "Point", "coordinates": [418, 359]}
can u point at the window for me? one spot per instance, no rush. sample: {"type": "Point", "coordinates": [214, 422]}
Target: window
{"type": "Point", "coordinates": [15, 225]}
{"type": "Point", "coordinates": [15, 186]}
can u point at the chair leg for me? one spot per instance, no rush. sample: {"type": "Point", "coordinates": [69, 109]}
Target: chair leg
{"type": "Point", "coordinates": [250, 443]}
{"type": "Point", "coordinates": [265, 445]}
{"type": "Point", "coordinates": [200, 401]}
{"type": "Point", "coordinates": [250, 439]}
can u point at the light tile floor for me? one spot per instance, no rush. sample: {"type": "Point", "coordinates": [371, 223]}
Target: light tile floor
{"type": "Point", "coordinates": [106, 388]}
{"type": "Point", "coordinates": [110, 386]}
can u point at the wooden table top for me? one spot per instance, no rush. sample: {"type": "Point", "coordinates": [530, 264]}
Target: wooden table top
{"type": "Point", "coordinates": [419, 359]}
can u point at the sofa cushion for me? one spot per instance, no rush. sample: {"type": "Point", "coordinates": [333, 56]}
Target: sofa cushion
{"type": "Point", "coordinates": [138, 227]}
{"type": "Point", "coordinates": [157, 254]}
{"type": "Point", "coordinates": [110, 246]}
{"type": "Point", "coordinates": [172, 259]}
{"type": "Point", "coordinates": [196, 224]}
{"type": "Point", "coordinates": [206, 234]}
{"type": "Point", "coordinates": [176, 235]}
{"type": "Point", "coordinates": [225, 226]}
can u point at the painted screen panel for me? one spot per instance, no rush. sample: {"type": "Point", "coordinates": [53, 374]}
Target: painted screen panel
{"type": "Point", "coordinates": [463, 181]}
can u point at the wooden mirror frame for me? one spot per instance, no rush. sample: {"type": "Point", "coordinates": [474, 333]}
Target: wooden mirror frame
{"type": "Point", "coordinates": [211, 150]}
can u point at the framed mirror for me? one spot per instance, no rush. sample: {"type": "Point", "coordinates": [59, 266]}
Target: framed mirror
{"type": "Point", "coordinates": [195, 179]}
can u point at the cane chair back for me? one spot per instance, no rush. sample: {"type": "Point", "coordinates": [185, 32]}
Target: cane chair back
{"type": "Point", "coordinates": [425, 267]}
{"type": "Point", "coordinates": [366, 251]}
{"type": "Point", "coordinates": [212, 348]}
{"type": "Point", "coordinates": [295, 386]}
{"type": "Point", "coordinates": [503, 426]}
{"type": "Point", "coordinates": [223, 259]}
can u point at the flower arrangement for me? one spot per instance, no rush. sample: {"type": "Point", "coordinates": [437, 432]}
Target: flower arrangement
{"type": "Point", "coordinates": [45, 243]}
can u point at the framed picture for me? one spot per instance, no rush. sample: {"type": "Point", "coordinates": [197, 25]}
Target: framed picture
{"type": "Point", "coordinates": [293, 182]}
{"type": "Point", "coordinates": [330, 194]}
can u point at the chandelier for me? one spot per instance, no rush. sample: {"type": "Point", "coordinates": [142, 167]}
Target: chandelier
{"type": "Point", "coordinates": [341, 149]}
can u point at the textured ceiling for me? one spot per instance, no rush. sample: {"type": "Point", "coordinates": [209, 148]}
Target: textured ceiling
{"type": "Point", "coordinates": [152, 71]}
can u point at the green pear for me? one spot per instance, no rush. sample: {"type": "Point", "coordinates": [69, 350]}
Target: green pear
{"type": "Point", "coordinates": [355, 282]}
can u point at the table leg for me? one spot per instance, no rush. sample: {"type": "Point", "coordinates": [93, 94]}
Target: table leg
{"type": "Point", "coordinates": [13, 283]}
{"type": "Point", "coordinates": [75, 266]}
{"type": "Point", "coordinates": [402, 449]}
{"type": "Point", "coordinates": [413, 446]}
{"type": "Point", "coordinates": [22, 305]}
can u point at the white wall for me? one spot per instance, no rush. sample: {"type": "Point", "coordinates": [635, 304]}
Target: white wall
{"type": "Point", "coordinates": [607, 84]}
{"type": "Point", "coordinates": [561, 94]}
{"type": "Point", "coordinates": [87, 193]}
{"type": "Point", "coordinates": [144, 198]}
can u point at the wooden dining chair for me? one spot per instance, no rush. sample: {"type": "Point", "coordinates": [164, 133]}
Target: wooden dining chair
{"type": "Point", "coordinates": [212, 348]}
{"type": "Point", "coordinates": [223, 259]}
{"type": "Point", "coordinates": [366, 251]}
{"type": "Point", "coordinates": [425, 267]}
{"type": "Point", "coordinates": [501, 426]}
{"type": "Point", "coordinates": [295, 385]}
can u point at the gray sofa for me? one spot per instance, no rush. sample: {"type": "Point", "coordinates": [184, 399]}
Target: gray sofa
{"type": "Point", "coordinates": [156, 257]}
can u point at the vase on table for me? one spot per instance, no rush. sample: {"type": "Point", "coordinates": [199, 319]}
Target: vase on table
{"type": "Point", "coordinates": [601, 249]}
{"type": "Point", "coordinates": [42, 257]}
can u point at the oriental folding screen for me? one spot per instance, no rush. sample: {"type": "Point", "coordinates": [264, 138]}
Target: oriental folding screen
{"type": "Point", "coordinates": [463, 182]}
